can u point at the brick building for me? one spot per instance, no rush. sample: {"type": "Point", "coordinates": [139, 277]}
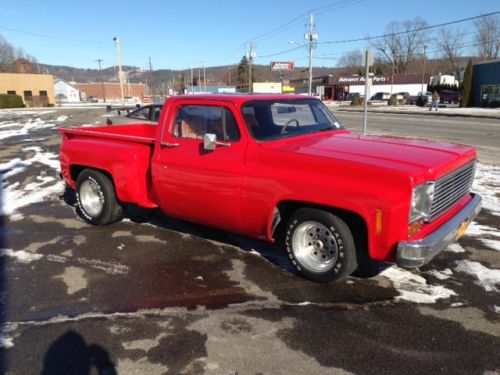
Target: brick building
{"type": "Point", "coordinates": [111, 90]}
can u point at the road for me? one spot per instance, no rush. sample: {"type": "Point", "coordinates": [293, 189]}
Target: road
{"type": "Point", "coordinates": [161, 296]}
{"type": "Point", "coordinates": [484, 133]}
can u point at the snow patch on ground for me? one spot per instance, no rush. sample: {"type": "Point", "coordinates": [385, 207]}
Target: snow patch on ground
{"type": "Point", "coordinates": [492, 244]}
{"type": "Point", "coordinates": [62, 118]}
{"type": "Point", "coordinates": [14, 129]}
{"type": "Point", "coordinates": [487, 184]}
{"type": "Point", "coordinates": [456, 248]}
{"type": "Point", "coordinates": [441, 275]}
{"type": "Point", "coordinates": [487, 278]}
{"type": "Point", "coordinates": [6, 342]}
{"type": "Point", "coordinates": [21, 256]}
{"type": "Point", "coordinates": [25, 257]}
{"type": "Point", "coordinates": [16, 196]}
{"type": "Point", "coordinates": [414, 288]}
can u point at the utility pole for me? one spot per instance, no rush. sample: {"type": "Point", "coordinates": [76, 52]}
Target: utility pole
{"type": "Point", "coordinates": [199, 80]}
{"type": "Point", "coordinates": [192, 82]}
{"type": "Point", "coordinates": [312, 37]}
{"type": "Point", "coordinates": [102, 80]}
{"type": "Point", "coordinates": [368, 61]}
{"type": "Point", "coordinates": [204, 77]}
{"type": "Point", "coordinates": [120, 72]}
{"type": "Point", "coordinates": [153, 81]}
{"type": "Point", "coordinates": [250, 56]}
{"type": "Point", "coordinates": [423, 73]}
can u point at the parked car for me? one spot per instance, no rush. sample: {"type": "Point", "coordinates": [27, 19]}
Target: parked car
{"type": "Point", "coordinates": [449, 96]}
{"type": "Point", "coordinates": [402, 97]}
{"type": "Point", "coordinates": [381, 96]}
{"type": "Point", "coordinates": [146, 114]}
{"type": "Point", "coordinates": [279, 168]}
{"type": "Point", "coordinates": [491, 100]}
{"type": "Point", "coordinates": [420, 99]}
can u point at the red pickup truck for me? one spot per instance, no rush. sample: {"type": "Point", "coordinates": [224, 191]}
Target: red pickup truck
{"type": "Point", "coordinates": [279, 168]}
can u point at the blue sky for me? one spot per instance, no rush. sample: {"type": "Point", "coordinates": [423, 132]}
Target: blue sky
{"type": "Point", "coordinates": [183, 34]}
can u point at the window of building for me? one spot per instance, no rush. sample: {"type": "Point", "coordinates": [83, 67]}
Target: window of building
{"type": "Point", "coordinates": [490, 96]}
{"type": "Point", "coordinates": [11, 92]}
{"type": "Point", "coordinates": [28, 95]}
{"type": "Point", "coordinates": [43, 93]}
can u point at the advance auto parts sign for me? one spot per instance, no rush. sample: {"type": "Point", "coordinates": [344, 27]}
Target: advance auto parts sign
{"type": "Point", "coordinates": [281, 65]}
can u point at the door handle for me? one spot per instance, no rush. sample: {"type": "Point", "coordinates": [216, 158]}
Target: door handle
{"type": "Point", "coordinates": [169, 145]}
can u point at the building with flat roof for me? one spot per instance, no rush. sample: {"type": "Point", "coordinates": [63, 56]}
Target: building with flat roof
{"type": "Point", "coordinates": [336, 87]}
{"type": "Point", "coordinates": [110, 90]}
{"type": "Point", "coordinates": [486, 84]}
{"type": "Point", "coordinates": [36, 90]}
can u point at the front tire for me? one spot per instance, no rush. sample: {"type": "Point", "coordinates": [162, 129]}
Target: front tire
{"type": "Point", "coordinates": [96, 198]}
{"type": "Point", "coordinates": [320, 245]}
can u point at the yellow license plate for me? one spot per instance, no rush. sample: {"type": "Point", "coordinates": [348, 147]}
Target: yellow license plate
{"type": "Point", "coordinates": [461, 230]}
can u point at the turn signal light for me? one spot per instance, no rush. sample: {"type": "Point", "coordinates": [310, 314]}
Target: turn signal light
{"type": "Point", "coordinates": [378, 221]}
{"type": "Point", "coordinates": [415, 227]}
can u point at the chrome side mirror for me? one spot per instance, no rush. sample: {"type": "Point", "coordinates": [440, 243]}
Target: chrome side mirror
{"type": "Point", "coordinates": [209, 142]}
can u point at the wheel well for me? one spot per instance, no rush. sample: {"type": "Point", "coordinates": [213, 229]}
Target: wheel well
{"type": "Point", "coordinates": [75, 171]}
{"type": "Point", "coordinates": [355, 222]}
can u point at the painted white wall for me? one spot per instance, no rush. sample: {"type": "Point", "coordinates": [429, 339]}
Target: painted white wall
{"type": "Point", "coordinates": [444, 80]}
{"type": "Point", "coordinates": [413, 89]}
{"type": "Point", "coordinates": [71, 94]}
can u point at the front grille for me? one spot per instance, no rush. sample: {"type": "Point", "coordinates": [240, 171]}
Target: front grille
{"type": "Point", "coordinates": [451, 188]}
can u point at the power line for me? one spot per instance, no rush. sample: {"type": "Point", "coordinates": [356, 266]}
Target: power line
{"type": "Point", "coordinates": [392, 34]}
{"type": "Point", "coordinates": [52, 36]}
{"type": "Point", "coordinates": [411, 31]}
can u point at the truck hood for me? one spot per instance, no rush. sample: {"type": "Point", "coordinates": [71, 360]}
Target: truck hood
{"type": "Point", "coordinates": [410, 156]}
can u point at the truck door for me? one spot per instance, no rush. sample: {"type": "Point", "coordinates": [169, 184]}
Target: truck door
{"type": "Point", "coordinates": [195, 184]}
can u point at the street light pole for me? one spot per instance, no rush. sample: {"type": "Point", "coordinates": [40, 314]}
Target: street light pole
{"type": "Point", "coordinates": [120, 72]}
{"type": "Point", "coordinates": [102, 80]}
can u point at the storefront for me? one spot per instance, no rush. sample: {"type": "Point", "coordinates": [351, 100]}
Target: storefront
{"type": "Point", "coordinates": [486, 84]}
{"type": "Point", "coordinates": [342, 87]}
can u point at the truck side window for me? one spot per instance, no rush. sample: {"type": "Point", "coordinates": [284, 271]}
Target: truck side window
{"type": "Point", "coordinates": [194, 121]}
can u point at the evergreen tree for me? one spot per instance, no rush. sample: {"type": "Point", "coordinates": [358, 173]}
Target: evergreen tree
{"type": "Point", "coordinates": [466, 99]}
{"type": "Point", "coordinates": [243, 68]}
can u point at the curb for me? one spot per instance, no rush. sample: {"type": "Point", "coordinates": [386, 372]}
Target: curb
{"type": "Point", "coordinates": [422, 113]}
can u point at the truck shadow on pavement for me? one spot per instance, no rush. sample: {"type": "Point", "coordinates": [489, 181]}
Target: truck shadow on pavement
{"type": "Point", "coordinates": [272, 252]}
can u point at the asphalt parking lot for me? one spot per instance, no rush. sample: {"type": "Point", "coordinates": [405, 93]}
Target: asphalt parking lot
{"type": "Point", "coordinates": [156, 295]}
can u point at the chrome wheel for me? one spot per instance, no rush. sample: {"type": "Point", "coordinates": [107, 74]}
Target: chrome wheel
{"type": "Point", "coordinates": [91, 197]}
{"type": "Point", "coordinates": [315, 246]}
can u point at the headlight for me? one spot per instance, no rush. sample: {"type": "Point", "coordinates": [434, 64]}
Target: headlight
{"type": "Point", "coordinates": [421, 201]}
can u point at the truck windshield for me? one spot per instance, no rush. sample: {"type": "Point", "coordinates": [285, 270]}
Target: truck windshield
{"type": "Point", "coordinates": [276, 119]}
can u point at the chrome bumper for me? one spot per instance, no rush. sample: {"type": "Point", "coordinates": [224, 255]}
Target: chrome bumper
{"type": "Point", "coordinates": [412, 254]}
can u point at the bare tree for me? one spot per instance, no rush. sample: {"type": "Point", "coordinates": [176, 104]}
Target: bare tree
{"type": "Point", "coordinates": [401, 43]}
{"type": "Point", "coordinates": [450, 43]}
{"type": "Point", "coordinates": [352, 59]}
{"type": "Point", "coordinates": [488, 36]}
{"type": "Point", "coordinates": [7, 54]}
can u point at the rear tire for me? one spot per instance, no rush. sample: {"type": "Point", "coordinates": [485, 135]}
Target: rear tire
{"type": "Point", "coordinates": [95, 194]}
{"type": "Point", "coordinates": [320, 245]}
